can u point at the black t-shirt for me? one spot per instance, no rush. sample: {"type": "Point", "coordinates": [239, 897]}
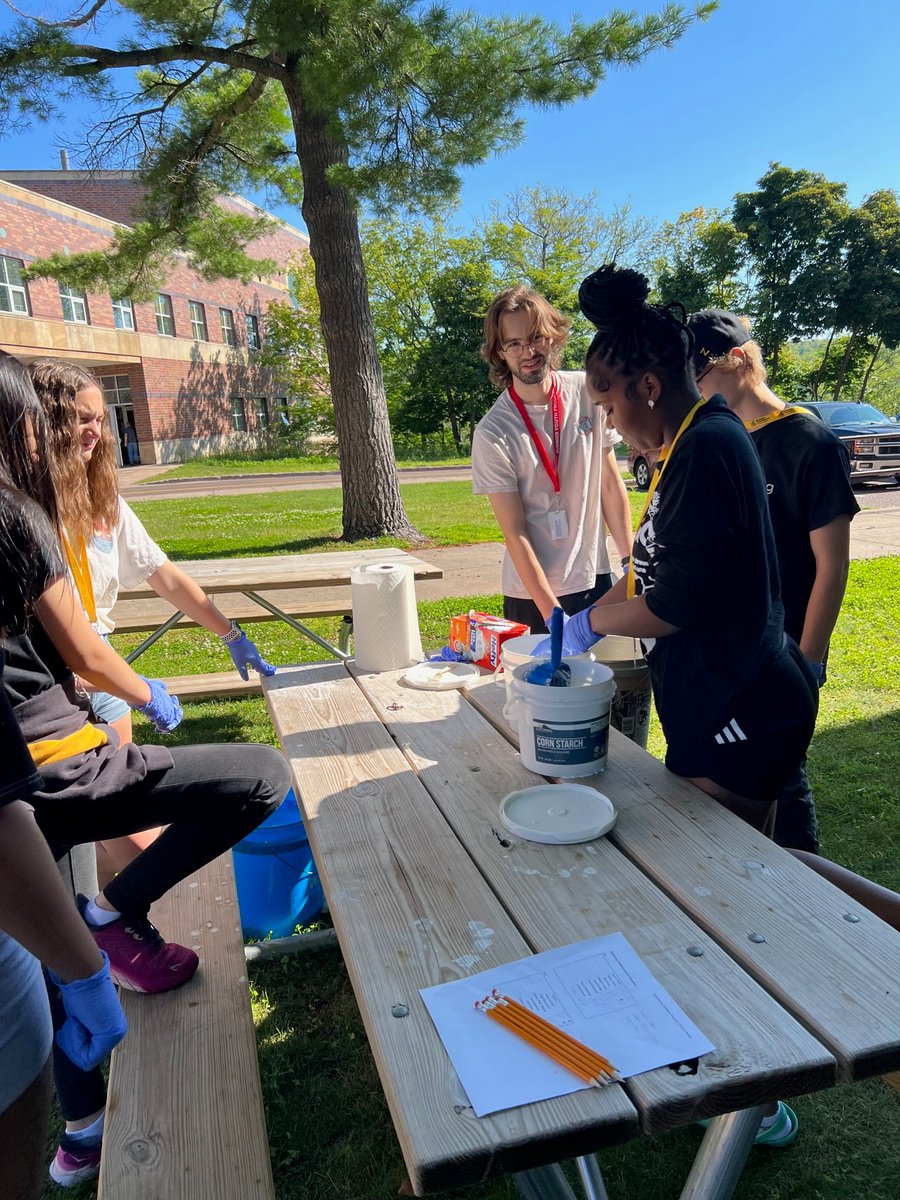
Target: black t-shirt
{"type": "Point", "coordinates": [18, 777]}
{"type": "Point", "coordinates": [32, 663]}
{"type": "Point", "coordinates": [704, 556]}
{"type": "Point", "coordinates": [807, 472]}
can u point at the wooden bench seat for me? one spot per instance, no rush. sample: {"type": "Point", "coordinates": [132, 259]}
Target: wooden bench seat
{"type": "Point", "coordinates": [184, 1115]}
{"type": "Point", "coordinates": [141, 616]}
{"type": "Point", "coordinates": [213, 685]}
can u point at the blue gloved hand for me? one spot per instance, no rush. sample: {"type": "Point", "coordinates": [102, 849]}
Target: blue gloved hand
{"type": "Point", "coordinates": [162, 709]}
{"type": "Point", "coordinates": [244, 654]}
{"type": "Point", "coordinates": [577, 635]}
{"type": "Point", "coordinates": [94, 1018]}
{"type": "Point", "coordinates": [818, 669]}
{"type": "Point", "coordinates": [447, 654]}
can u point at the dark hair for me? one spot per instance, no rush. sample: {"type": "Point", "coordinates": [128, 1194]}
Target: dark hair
{"type": "Point", "coordinates": [26, 539]}
{"type": "Point", "coordinates": [632, 335]}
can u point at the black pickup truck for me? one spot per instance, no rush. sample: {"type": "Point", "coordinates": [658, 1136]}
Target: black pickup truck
{"type": "Point", "coordinates": [872, 439]}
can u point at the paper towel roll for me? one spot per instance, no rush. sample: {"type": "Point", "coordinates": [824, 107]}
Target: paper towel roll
{"type": "Point", "coordinates": [385, 621]}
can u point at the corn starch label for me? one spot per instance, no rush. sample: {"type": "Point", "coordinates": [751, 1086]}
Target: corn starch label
{"type": "Point", "coordinates": [567, 743]}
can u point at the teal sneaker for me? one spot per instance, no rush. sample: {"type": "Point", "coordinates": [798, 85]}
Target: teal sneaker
{"type": "Point", "coordinates": [783, 1130]}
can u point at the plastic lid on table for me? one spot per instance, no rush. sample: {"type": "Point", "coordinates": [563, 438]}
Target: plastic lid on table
{"type": "Point", "coordinates": [558, 813]}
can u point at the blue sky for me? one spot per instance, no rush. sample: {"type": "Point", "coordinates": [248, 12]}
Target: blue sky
{"type": "Point", "coordinates": [809, 83]}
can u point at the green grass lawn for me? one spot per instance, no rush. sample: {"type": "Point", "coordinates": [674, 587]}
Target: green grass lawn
{"type": "Point", "coordinates": [221, 465]}
{"type": "Point", "coordinates": [295, 522]}
{"type": "Point", "coordinates": [330, 1132]}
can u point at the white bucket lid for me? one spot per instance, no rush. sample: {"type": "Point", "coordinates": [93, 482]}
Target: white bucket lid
{"type": "Point", "coordinates": [558, 813]}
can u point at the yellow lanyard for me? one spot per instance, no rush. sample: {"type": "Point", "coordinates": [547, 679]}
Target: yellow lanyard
{"type": "Point", "coordinates": [665, 455]}
{"type": "Point", "coordinates": [81, 574]}
{"type": "Point", "coordinates": [788, 411]}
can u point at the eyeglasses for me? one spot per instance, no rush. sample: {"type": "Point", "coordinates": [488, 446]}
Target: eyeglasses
{"type": "Point", "coordinates": [516, 349]}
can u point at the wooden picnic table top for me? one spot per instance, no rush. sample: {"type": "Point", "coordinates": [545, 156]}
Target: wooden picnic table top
{"type": "Point", "coordinates": [792, 981]}
{"type": "Point", "coordinates": [273, 572]}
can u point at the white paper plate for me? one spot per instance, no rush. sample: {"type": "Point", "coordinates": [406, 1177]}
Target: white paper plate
{"type": "Point", "coordinates": [557, 813]}
{"type": "Point", "coordinates": [440, 676]}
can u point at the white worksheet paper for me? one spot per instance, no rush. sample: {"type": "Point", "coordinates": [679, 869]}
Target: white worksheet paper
{"type": "Point", "coordinates": [598, 991]}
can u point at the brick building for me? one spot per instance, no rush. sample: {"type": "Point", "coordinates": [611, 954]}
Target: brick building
{"type": "Point", "coordinates": [180, 369]}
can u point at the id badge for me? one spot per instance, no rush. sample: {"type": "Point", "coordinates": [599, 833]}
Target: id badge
{"type": "Point", "coordinates": [559, 524]}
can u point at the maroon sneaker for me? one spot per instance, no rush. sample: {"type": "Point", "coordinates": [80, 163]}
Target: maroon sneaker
{"type": "Point", "coordinates": [139, 959]}
{"type": "Point", "coordinates": [73, 1163]}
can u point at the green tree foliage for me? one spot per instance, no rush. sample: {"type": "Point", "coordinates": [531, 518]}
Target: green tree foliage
{"type": "Point", "coordinates": [550, 239]}
{"type": "Point", "coordinates": [793, 225]}
{"type": "Point", "coordinates": [698, 260]}
{"type": "Point", "coordinates": [294, 347]}
{"type": "Point", "coordinates": [376, 100]}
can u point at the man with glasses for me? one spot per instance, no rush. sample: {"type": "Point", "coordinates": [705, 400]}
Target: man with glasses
{"type": "Point", "coordinates": [545, 459]}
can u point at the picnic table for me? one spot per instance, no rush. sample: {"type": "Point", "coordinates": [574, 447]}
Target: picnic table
{"type": "Point", "coordinates": [793, 982]}
{"type": "Point", "coordinates": [140, 607]}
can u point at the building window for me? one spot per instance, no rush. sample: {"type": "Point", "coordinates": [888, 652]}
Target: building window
{"type": "Point", "coordinates": [13, 296]}
{"type": "Point", "coordinates": [74, 305]}
{"type": "Point", "coordinates": [238, 414]}
{"type": "Point", "coordinates": [165, 317]}
{"type": "Point", "coordinates": [123, 314]}
{"type": "Point", "coordinates": [226, 321]}
{"type": "Point", "coordinates": [261, 404]}
{"type": "Point", "coordinates": [253, 339]}
{"type": "Point", "coordinates": [198, 321]}
{"type": "Point", "coordinates": [116, 389]}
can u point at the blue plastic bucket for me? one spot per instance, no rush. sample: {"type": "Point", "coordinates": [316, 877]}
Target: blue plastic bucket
{"type": "Point", "coordinates": [277, 881]}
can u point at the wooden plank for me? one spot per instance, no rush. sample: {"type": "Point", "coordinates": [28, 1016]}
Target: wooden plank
{"type": "Point", "coordinates": [274, 572]}
{"type": "Point", "coordinates": [409, 906]}
{"type": "Point", "coordinates": [564, 894]}
{"type": "Point", "coordinates": [827, 959]}
{"type": "Point", "coordinates": [216, 685]}
{"type": "Point", "coordinates": [184, 1117]}
{"type": "Point", "coordinates": [140, 616]}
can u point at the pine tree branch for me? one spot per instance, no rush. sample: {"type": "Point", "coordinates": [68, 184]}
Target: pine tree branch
{"type": "Point", "coordinates": [104, 59]}
{"type": "Point", "coordinates": [67, 23]}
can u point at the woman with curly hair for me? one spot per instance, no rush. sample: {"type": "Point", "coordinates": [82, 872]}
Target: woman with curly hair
{"type": "Point", "coordinates": [735, 697]}
{"type": "Point", "coordinates": [107, 547]}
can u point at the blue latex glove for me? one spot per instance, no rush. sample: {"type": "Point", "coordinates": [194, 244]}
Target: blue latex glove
{"type": "Point", "coordinates": [162, 709]}
{"type": "Point", "coordinates": [818, 669]}
{"type": "Point", "coordinates": [244, 654]}
{"type": "Point", "coordinates": [94, 1018]}
{"type": "Point", "coordinates": [577, 635]}
{"type": "Point", "coordinates": [447, 654]}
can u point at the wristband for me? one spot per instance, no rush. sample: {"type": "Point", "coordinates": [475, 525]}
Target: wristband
{"type": "Point", "coordinates": [234, 634]}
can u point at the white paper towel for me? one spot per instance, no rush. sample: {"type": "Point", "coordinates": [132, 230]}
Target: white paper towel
{"type": "Point", "coordinates": [385, 621]}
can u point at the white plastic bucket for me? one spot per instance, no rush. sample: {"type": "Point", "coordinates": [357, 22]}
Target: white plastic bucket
{"type": "Point", "coordinates": [563, 731]}
{"type": "Point", "coordinates": [630, 712]}
{"type": "Point", "coordinates": [518, 650]}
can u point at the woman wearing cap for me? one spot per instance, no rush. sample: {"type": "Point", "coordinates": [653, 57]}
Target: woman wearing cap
{"type": "Point", "coordinates": [811, 504]}
{"type": "Point", "coordinates": [735, 697]}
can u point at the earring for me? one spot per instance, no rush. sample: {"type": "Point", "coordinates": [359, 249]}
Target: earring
{"type": "Point", "coordinates": [651, 403]}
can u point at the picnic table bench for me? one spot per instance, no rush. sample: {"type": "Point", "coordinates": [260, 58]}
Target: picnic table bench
{"type": "Point", "coordinates": [793, 982]}
{"type": "Point", "coordinates": [184, 1113]}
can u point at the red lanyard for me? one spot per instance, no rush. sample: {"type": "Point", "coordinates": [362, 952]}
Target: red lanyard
{"type": "Point", "coordinates": [552, 468]}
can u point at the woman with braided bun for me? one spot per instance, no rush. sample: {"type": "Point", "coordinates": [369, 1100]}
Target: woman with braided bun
{"type": "Point", "coordinates": [736, 700]}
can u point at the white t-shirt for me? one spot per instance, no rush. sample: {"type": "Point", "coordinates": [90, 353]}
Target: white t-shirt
{"type": "Point", "coordinates": [123, 558]}
{"type": "Point", "coordinates": [505, 459]}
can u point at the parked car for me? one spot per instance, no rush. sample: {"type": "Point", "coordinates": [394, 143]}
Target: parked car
{"type": "Point", "coordinates": [642, 464]}
{"type": "Point", "coordinates": [872, 439]}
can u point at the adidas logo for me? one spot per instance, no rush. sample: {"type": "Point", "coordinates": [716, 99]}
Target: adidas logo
{"type": "Point", "coordinates": [731, 733]}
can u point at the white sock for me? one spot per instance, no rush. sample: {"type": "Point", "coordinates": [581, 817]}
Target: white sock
{"type": "Point", "coordinates": [92, 1134]}
{"type": "Point", "coordinates": [99, 916]}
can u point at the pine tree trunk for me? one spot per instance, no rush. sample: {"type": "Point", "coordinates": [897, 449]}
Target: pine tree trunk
{"type": "Point", "coordinates": [869, 369]}
{"type": "Point", "coordinates": [372, 506]}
